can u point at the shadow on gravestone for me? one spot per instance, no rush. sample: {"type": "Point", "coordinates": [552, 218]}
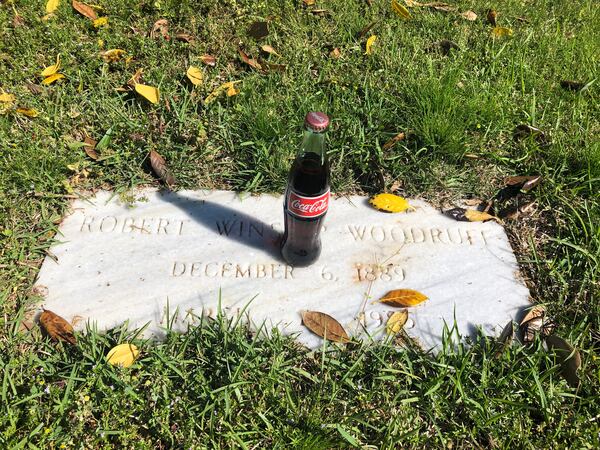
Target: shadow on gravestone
{"type": "Point", "coordinates": [230, 223]}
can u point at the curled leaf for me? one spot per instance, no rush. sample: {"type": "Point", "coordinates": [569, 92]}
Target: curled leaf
{"type": "Point", "coordinates": [84, 10]}
{"type": "Point", "coordinates": [501, 32]}
{"type": "Point", "coordinates": [194, 74]}
{"type": "Point", "coordinates": [400, 10]}
{"type": "Point", "coordinates": [52, 78]}
{"type": "Point", "coordinates": [90, 148]}
{"type": "Point", "coordinates": [568, 356]}
{"type": "Point", "coordinates": [52, 5]}
{"type": "Point", "coordinates": [403, 298]}
{"type": "Point", "coordinates": [325, 326]}
{"type": "Point", "coordinates": [161, 27]}
{"type": "Point", "coordinates": [524, 183]}
{"type": "Point", "coordinates": [100, 22]}
{"type": "Point", "coordinates": [160, 168]}
{"type": "Point", "coordinates": [123, 355]}
{"type": "Point", "coordinates": [150, 93]}
{"type": "Point", "coordinates": [250, 61]}
{"type": "Point", "coordinates": [57, 327]}
{"type": "Point", "coordinates": [396, 322]}
{"type": "Point", "coordinates": [209, 60]}
{"type": "Point", "coordinates": [389, 203]}
{"type": "Point", "coordinates": [51, 70]}
{"type": "Point", "coordinates": [535, 322]}
{"type": "Point", "coordinates": [369, 44]}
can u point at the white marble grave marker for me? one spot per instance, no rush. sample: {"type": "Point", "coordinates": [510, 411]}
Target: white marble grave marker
{"type": "Point", "coordinates": [120, 262]}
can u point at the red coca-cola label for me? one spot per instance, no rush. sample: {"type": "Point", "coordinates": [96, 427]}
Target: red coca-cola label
{"type": "Point", "coordinates": [309, 207]}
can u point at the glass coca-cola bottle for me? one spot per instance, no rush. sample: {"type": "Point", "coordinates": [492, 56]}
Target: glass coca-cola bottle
{"type": "Point", "coordinates": [307, 195]}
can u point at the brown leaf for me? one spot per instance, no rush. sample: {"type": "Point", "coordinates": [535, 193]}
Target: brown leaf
{"type": "Point", "coordinates": [524, 131]}
{"type": "Point", "coordinates": [524, 183]}
{"type": "Point", "coordinates": [209, 60]}
{"type": "Point", "coordinates": [57, 327]}
{"type": "Point", "coordinates": [505, 338]}
{"type": "Point", "coordinates": [90, 148]}
{"type": "Point", "coordinates": [161, 27]}
{"type": "Point", "coordinates": [184, 37]}
{"type": "Point", "coordinates": [335, 53]}
{"type": "Point", "coordinates": [572, 85]}
{"type": "Point", "coordinates": [319, 12]}
{"type": "Point", "coordinates": [160, 168]}
{"type": "Point", "coordinates": [569, 357]}
{"type": "Point", "coordinates": [362, 33]}
{"type": "Point", "coordinates": [258, 30]}
{"type": "Point", "coordinates": [250, 61]}
{"type": "Point", "coordinates": [491, 16]}
{"type": "Point", "coordinates": [403, 298]}
{"type": "Point", "coordinates": [325, 326]}
{"type": "Point", "coordinates": [84, 10]}
{"type": "Point", "coordinates": [393, 141]}
{"type": "Point", "coordinates": [535, 322]}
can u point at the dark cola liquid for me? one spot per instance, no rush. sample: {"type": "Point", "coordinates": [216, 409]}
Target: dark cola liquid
{"type": "Point", "coordinates": [309, 177]}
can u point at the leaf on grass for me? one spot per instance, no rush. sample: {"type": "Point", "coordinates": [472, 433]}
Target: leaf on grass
{"type": "Point", "coordinates": [90, 148]}
{"type": "Point", "coordinates": [184, 37]}
{"type": "Point", "coordinates": [308, 2]}
{"type": "Point", "coordinates": [400, 10]}
{"type": "Point", "coordinates": [469, 15]}
{"type": "Point", "coordinates": [57, 327]}
{"type": "Point", "coordinates": [52, 5]}
{"type": "Point", "coordinates": [369, 44]}
{"type": "Point", "coordinates": [161, 169]}
{"type": "Point", "coordinates": [393, 141]}
{"type": "Point", "coordinates": [468, 215]}
{"type": "Point", "coordinates": [123, 355]}
{"type": "Point", "coordinates": [195, 75]}
{"type": "Point", "coordinates": [52, 78]}
{"type": "Point", "coordinates": [100, 22]}
{"type": "Point", "coordinates": [366, 29]}
{"type": "Point", "coordinates": [501, 32]}
{"type": "Point", "coordinates": [568, 356]}
{"type": "Point", "coordinates": [113, 55]}
{"type": "Point", "coordinates": [150, 93]}
{"type": "Point", "coordinates": [209, 60]}
{"type": "Point", "coordinates": [258, 30]}
{"type": "Point", "coordinates": [51, 70]}
{"type": "Point", "coordinates": [268, 49]}
{"type": "Point", "coordinates": [492, 16]}
{"type": "Point", "coordinates": [389, 203]}
{"type": "Point", "coordinates": [325, 326]}
{"type": "Point", "coordinates": [403, 298]}
{"type": "Point", "coordinates": [29, 112]}
{"type": "Point", "coordinates": [396, 322]}
{"type": "Point", "coordinates": [320, 12]}
{"type": "Point", "coordinates": [535, 322]}
{"type": "Point", "coordinates": [505, 339]}
{"type": "Point", "coordinates": [228, 87]}
{"type": "Point", "coordinates": [524, 183]}
{"type": "Point", "coordinates": [250, 61]}
{"type": "Point", "coordinates": [161, 26]}
{"type": "Point", "coordinates": [335, 53]}
{"type": "Point", "coordinates": [84, 10]}
{"type": "Point", "coordinates": [6, 98]}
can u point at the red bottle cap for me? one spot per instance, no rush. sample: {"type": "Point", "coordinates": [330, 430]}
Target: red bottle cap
{"type": "Point", "coordinates": [316, 121]}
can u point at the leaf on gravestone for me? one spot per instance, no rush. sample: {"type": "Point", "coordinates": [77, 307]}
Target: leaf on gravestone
{"type": "Point", "coordinates": [100, 22]}
{"type": "Point", "coordinates": [535, 322]}
{"type": "Point", "coordinates": [468, 215]}
{"type": "Point", "coordinates": [160, 168]}
{"type": "Point", "coordinates": [258, 30]}
{"type": "Point", "coordinates": [194, 74]}
{"type": "Point", "coordinates": [369, 44]}
{"type": "Point", "coordinates": [29, 112]}
{"type": "Point", "coordinates": [469, 15]}
{"type": "Point", "coordinates": [250, 61]}
{"type": "Point", "coordinates": [52, 5]}
{"type": "Point", "coordinates": [400, 10]}
{"type": "Point", "coordinates": [391, 203]}
{"type": "Point", "coordinates": [209, 60]}
{"type": "Point", "coordinates": [492, 16]}
{"type": "Point", "coordinates": [161, 26]}
{"type": "Point", "coordinates": [51, 70]}
{"type": "Point", "coordinates": [123, 355]}
{"type": "Point", "coordinates": [268, 49]}
{"type": "Point", "coordinates": [90, 148]}
{"type": "Point", "coordinates": [362, 33]}
{"type": "Point", "coordinates": [52, 78]}
{"type": "Point", "coordinates": [184, 37]}
{"type": "Point", "coordinates": [569, 357]}
{"type": "Point", "coordinates": [505, 339]}
{"type": "Point", "coordinates": [113, 55]}
{"type": "Point", "coordinates": [150, 93]}
{"type": "Point", "coordinates": [396, 322]}
{"type": "Point", "coordinates": [402, 298]}
{"type": "Point", "coordinates": [393, 141]}
{"type": "Point", "coordinates": [57, 327]}
{"type": "Point", "coordinates": [325, 326]}
{"type": "Point", "coordinates": [84, 10]}
{"type": "Point", "coordinates": [501, 32]}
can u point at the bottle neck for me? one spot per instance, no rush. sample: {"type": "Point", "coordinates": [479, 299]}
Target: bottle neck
{"type": "Point", "coordinates": [313, 143]}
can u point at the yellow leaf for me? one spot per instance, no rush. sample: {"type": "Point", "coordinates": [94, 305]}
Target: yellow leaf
{"type": "Point", "coordinates": [52, 78]}
{"type": "Point", "coordinates": [400, 10]}
{"type": "Point", "coordinates": [231, 91]}
{"type": "Point", "coordinates": [113, 55]}
{"type": "Point", "coordinates": [501, 31]}
{"type": "Point", "coordinates": [325, 326]}
{"type": "Point", "coordinates": [51, 70]}
{"type": "Point", "coordinates": [389, 203]}
{"type": "Point", "coordinates": [52, 5]}
{"type": "Point", "coordinates": [100, 21]}
{"type": "Point", "coordinates": [370, 43]}
{"type": "Point", "coordinates": [123, 355]}
{"type": "Point", "coordinates": [396, 322]}
{"type": "Point", "coordinates": [150, 93]}
{"type": "Point", "coordinates": [228, 87]}
{"type": "Point", "coordinates": [403, 298]}
{"type": "Point", "coordinates": [194, 74]}
{"type": "Point", "coordinates": [6, 97]}
{"type": "Point", "coordinates": [473, 215]}
{"type": "Point", "coordinates": [29, 112]}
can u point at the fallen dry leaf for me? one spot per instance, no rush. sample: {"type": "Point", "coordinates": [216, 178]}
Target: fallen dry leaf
{"type": "Point", "coordinates": [492, 17]}
{"type": "Point", "coordinates": [403, 298]}
{"type": "Point", "coordinates": [184, 37]}
{"type": "Point", "coordinates": [501, 32]}
{"type": "Point", "coordinates": [524, 131]}
{"type": "Point", "coordinates": [369, 44]}
{"type": "Point", "coordinates": [393, 141]}
{"type": "Point", "coordinates": [29, 112]}
{"type": "Point", "coordinates": [52, 78]}
{"type": "Point", "coordinates": [268, 49]}
{"type": "Point", "coordinates": [568, 356]}
{"type": "Point", "coordinates": [113, 55]}
{"type": "Point", "coordinates": [150, 93]}
{"type": "Point", "coordinates": [400, 10]}
{"type": "Point", "coordinates": [209, 60]}
{"type": "Point", "coordinates": [84, 10]}
{"type": "Point", "coordinates": [469, 15]}
{"type": "Point", "coordinates": [51, 70]}
{"type": "Point", "coordinates": [100, 22]}
{"type": "Point", "coordinates": [390, 203]}
{"type": "Point", "coordinates": [160, 168]}
{"type": "Point", "coordinates": [325, 326]}
{"type": "Point", "coordinates": [6, 97]}
{"type": "Point", "coordinates": [362, 33]}
{"type": "Point", "coordinates": [194, 74]}
{"type": "Point", "coordinates": [161, 26]}
{"type": "Point", "coordinates": [396, 322]}
{"type": "Point", "coordinates": [258, 30]}
{"type": "Point", "coordinates": [123, 355]}
{"type": "Point", "coordinates": [319, 12]}
{"type": "Point", "coordinates": [250, 61]}
{"type": "Point", "coordinates": [335, 53]}
{"type": "Point", "coordinates": [308, 2]}
{"type": "Point", "coordinates": [525, 183]}
{"type": "Point", "coordinates": [468, 215]}
{"type": "Point", "coordinates": [57, 327]}
{"type": "Point", "coordinates": [52, 5]}
{"type": "Point", "coordinates": [535, 322]}
{"type": "Point", "coordinates": [90, 148]}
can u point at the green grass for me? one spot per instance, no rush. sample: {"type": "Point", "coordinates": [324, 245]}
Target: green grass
{"type": "Point", "coordinates": [219, 387]}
